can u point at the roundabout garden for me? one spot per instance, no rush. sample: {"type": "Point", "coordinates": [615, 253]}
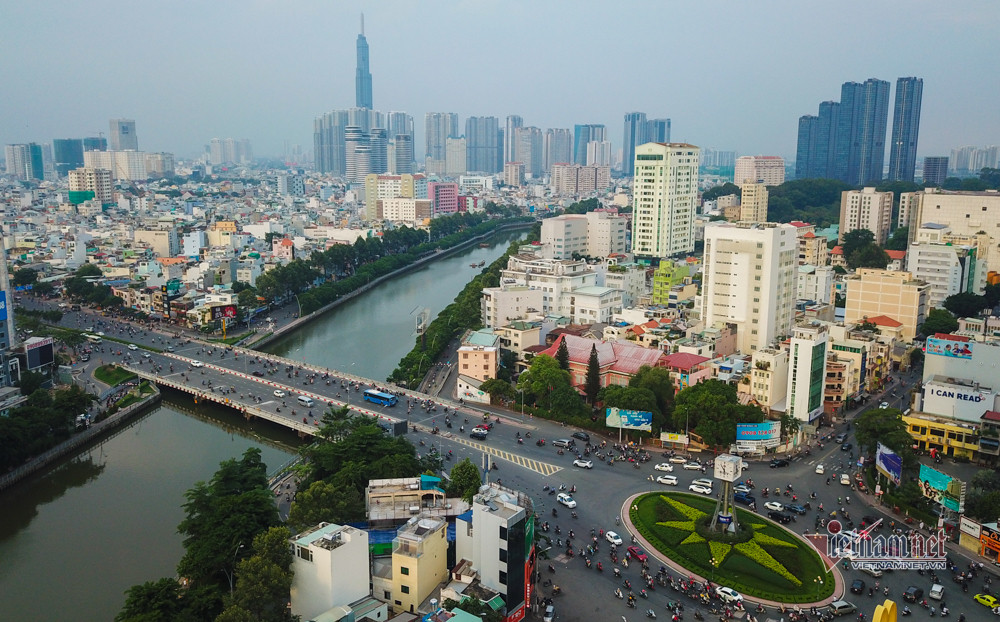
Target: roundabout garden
{"type": "Point", "coordinates": [761, 560]}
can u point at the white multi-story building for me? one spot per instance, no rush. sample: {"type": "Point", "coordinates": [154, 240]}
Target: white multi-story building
{"type": "Point", "coordinates": [163, 242]}
{"type": "Point", "coordinates": [767, 170]}
{"type": "Point", "coordinates": [321, 580]}
{"type": "Point", "coordinates": [502, 305]}
{"type": "Point", "coordinates": [947, 269]}
{"type": "Point", "coordinates": [807, 371]}
{"type": "Point", "coordinates": [557, 279]}
{"type": "Point", "coordinates": [573, 179]}
{"type": "Point", "coordinates": [455, 159]}
{"type": "Point", "coordinates": [750, 280]}
{"type": "Point", "coordinates": [630, 280]}
{"type": "Point", "coordinates": [966, 214]}
{"type": "Point", "coordinates": [400, 209]}
{"type": "Point", "coordinates": [769, 377]}
{"type": "Point", "coordinates": [866, 209]}
{"type": "Point", "coordinates": [96, 180]}
{"type": "Point", "coordinates": [594, 234]}
{"type": "Point", "coordinates": [816, 283]}
{"type": "Point", "coordinates": [753, 202]}
{"type": "Point", "coordinates": [664, 199]}
{"type": "Point", "coordinates": [599, 153]}
{"type": "Point", "coordinates": [127, 165]}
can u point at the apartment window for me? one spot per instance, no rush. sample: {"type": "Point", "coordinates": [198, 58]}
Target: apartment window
{"type": "Point", "coordinates": [404, 570]}
{"type": "Point", "coordinates": [503, 533]}
{"type": "Point", "coordinates": [503, 578]}
{"type": "Point", "coordinates": [404, 589]}
{"type": "Point", "coordinates": [503, 555]}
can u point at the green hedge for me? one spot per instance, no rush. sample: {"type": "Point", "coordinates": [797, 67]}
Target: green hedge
{"type": "Point", "coordinates": [736, 571]}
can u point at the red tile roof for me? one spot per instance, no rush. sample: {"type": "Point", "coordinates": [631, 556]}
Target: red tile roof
{"type": "Point", "coordinates": [617, 356]}
{"type": "Point", "coordinates": [884, 320]}
{"type": "Point", "coordinates": [837, 250]}
{"type": "Point", "coordinates": [683, 360]}
{"type": "Point", "coordinates": [896, 254]}
{"type": "Point", "coordinates": [991, 415]}
{"type": "Point", "coordinates": [799, 223]}
{"type": "Point", "coordinates": [950, 337]}
{"type": "Point", "coordinates": [809, 235]}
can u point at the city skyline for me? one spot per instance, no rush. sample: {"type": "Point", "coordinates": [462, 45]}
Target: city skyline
{"type": "Point", "coordinates": [257, 86]}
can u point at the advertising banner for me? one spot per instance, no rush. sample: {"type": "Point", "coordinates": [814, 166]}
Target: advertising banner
{"type": "Point", "coordinates": [970, 527]}
{"type": "Point", "coordinates": [3, 306]}
{"type": "Point", "coordinates": [957, 400]}
{"type": "Point", "coordinates": [227, 312]}
{"type": "Point", "coordinates": [629, 419]}
{"type": "Point", "coordinates": [942, 488]}
{"type": "Point", "coordinates": [949, 347]}
{"type": "Point", "coordinates": [766, 431]}
{"type": "Point", "coordinates": [673, 437]}
{"type": "Point", "coordinates": [889, 464]}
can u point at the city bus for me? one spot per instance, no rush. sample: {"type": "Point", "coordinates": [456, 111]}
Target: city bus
{"type": "Point", "coordinates": [385, 399]}
{"type": "Point", "coordinates": [94, 338]}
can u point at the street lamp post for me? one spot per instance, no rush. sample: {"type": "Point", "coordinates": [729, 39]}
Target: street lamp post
{"type": "Point", "coordinates": [521, 391]}
{"type": "Point", "coordinates": [232, 570]}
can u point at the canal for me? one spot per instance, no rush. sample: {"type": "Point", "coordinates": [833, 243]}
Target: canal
{"type": "Point", "coordinates": [75, 537]}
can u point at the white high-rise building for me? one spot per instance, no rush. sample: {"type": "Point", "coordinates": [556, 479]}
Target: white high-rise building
{"type": "Point", "coordinates": [528, 143]}
{"type": "Point", "coordinates": [594, 234]}
{"type": "Point", "coordinates": [558, 147]}
{"type": "Point", "coordinates": [807, 371]}
{"type": "Point", "coordinates": [123, 137]}
{"type": "Point", "coordinates": [128, 165]}
{"type": "Point", "coordinates": [866, 209]}
{"type": "Point", "coordinates": [750, 280]}
{"type": "Point", "coordinates": [665, 196]}
{"type": "Point", "coordinates": [96, 180]}
{"type": "Point", "coordinates": [768, 170]}
{"type": "Point", "coordinates": [456, 162]}
{"type": "Point", "coordinates": [753, 202]}
{"type": "Point", "coordinates": [599, 153]}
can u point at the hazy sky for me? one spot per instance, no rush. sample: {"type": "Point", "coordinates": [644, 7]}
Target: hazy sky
{"type": "Point", "coordinates": [730, 75]}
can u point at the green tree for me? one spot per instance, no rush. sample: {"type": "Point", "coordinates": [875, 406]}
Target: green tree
{"type": "Point", "coordinates": [232, 508]}
{"type": "Point", "coordinates": [991, 295]}
{"type": "Point", "coordinates": [24, 276]}
{"type": "Point", "coordinates": [152, 601]}
{"type": "Point", "coordinates": [30, 382]}
{"type": "Point", "coordinates": [868, 256]}
{"type": "Point", "coordinates": [323, 501]}
{"type": "Point", "coordinates": [658, 381]}
{"type": "Point", "coordinates": [247, 298]}
{"type": "Point", "coordinates": [938, 321]}
{"type": "Point", "coordinates": [990, 177]}
{"type": "Point", "coordinates": [235, 613]}
{"type": "Point", "coordinates": [965, 304]}
{"type": "Point", "coordinates": [465, 480]}
{"type": "Point", "coordinates": [868, 326]}
{"type": "Point", "coordinates": [630, 398]}
{"type": "Point", "coordinates": [886, 426]}
{"type": "Point", "coordinates": [88, 269]}
{"type": "Point", "coordinates": [593, 382]}
{"type": "Point", "coordinates": [789, 426]}
{"type": "Point", "coordinates": [499, 390]}
{"type": "Point", "coordinates": [711, 409]}
{"type": "Point", "coordinates": [725, 189]}
{"type": "Point", "coordinates": [262, 588]}
{"type": "Point", "coordinates": [562, 355]}
{"type": "Point", "coordinates": [546, 382]}
{"type": "Point", "coordinates": [898, 239]}
{"type": "Point", "coordinates": [983, 505]}
{"type": "Point", "coordinates": [856, 240]}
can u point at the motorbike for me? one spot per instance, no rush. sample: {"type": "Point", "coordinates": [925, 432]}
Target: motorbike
{"type": "Point", "coordinates": [650, 614]}
{"type": "Point", "coordinates": [618, 593]}
{"type": "Point", "coordinates": [906, 611]}
{"type": "Point", "coordinates": [698, 616]}
{"type": "Point", "coordinates": [540, 442]}
{"type": "Point", "coordinates": [600, 567]}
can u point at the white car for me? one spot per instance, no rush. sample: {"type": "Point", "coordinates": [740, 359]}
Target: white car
{"type": "Point", "coordinates": [729, 595]}
{"type": "Point", "coordinates": [883, 405]}
{"type": "Point", "coordinates": [664, 466]}
{"type": "Point", "coordinates": [132, 346]}
{"type": "Point", "coordinates": [279, 393]}
{"type": "Point", "coordinates": [742, 488]}
{"type": "Point", "coordinates": [145, 355]}
{"type": "Point", "coordinates": [820, 469]}
{"type": "Point", "coordinates": [583, 464]}
{"type": "Point", "coordinates": [705, 490]}
{"type": "Point", "coordinates": [774, 505]}
{"type": "Point", "coordinates": [845, 479]}
{"type": "Point", "coordinates": [701, 481]}
{"type": "Point", "coordinates": [677, 459]}
{"type": "Point", "coordinates": [197, 364]}
{"type": "Point", "coordinates": [566, 500]}
{"type": "Point", "coordinates": [613, 538]}
{"type": "Point", "coordinates": [692, 466]}
{"type": "Point", "coordinates": [669, 480]}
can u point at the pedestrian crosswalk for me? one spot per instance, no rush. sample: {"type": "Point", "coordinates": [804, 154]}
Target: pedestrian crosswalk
{"type": "Point", "coordinates": [538, 466]}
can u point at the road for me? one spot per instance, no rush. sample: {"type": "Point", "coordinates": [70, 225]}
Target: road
{"type": "Point", "coordinates": [528, 467]}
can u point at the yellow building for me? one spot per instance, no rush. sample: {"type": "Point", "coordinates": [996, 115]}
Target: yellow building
{"type": "Point", "coordinates": [666, 276]}
{"type": "Point", "coordinates": [753, 202]}
{"type": "Point", "coordinates": [895, 293]}
{"type": "Point", "coordinates": [951, 437]}
{"type": "Point", "coordinates": [419, 561]}
{"type": "Point", "coordinates": [813, 249]}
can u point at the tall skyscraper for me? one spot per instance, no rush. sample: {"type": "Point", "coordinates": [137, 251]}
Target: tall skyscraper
{"type": "Point", "coordinates": [665, 195]}
{"type": "Point", "coordinates": [403, 153]}
{"type": "Point", "coordinates": [484, 152]}
{"type": "Point", "coordinates": [379, 143]}
{"type": "Point", "coordinates": [817, 143]}
{"type": "Point", "coordinates": [514, 122]}
{"type": "Point", "coordinates": [67, 155]}
{"type": "Point", "coordinates": [528, 145]}
{"type": "Point", "coordinates": [658, 130]}
{"type": "Point", "coordinates": [861, 126]}
{"type": "Point", "coordinates": [358, 154]}
{"type": "Point", "coordinates": [95, 143]}
{"type": "Point", "coordinates": [24, 162]}
{"type": "Point", "coordinates": [635, 134]}
{"type": "Point", "coordinates": [935, 170]}
{"type": "Point", "coordinates": [582, 136]}
{"type": "Point", "coordinates": [558, 148]}
{"type": "Point", "coordinates": [328, 142]}
{"type": "Point", "coordinates": [438, 128]}
{"type": "Point", "coordinates": [363, 77]}
{"type": "Point", "coordinates": [123, 136]}
{"type": "Point", "coordinates": [905, 128]}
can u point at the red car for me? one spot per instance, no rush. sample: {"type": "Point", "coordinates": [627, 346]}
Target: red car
{"type": "Point", "coordinates": [637, 553]}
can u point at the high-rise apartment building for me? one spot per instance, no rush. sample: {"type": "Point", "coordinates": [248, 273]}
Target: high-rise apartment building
{"type": "Point", "coordinates": [24, 162]}
{"type": "Point", "coordinates": [484, 152]}
{"type": "Point", "coordinates": [658, 131]}
{"type": "Point", "coordinates": [362, 76]}
{"type": "Point", "coordinates": [456, 157]}
{"type": "Point", "coordinates": [866, 209]}
{"type": "Point", "coordinates": [750, 280]}
{"type": "Point", "coordinates": [861, 127]}
{"type": "Point", "coordinates": [768, 170]}
{"type": "Point", "coordinates": [403, 154]}
{"type": "Point", "coordinates": [438, 128]}
{"type": "Point", "coordinates": [573, 179]}
{"type": "Point", "coordinates": [905, 128]}
{"type": "Point", "coordinates": [753, 202]}
{"type": "Point", "coordinates": [872, 292]}
{"type": "Point", "coordinates": [95, 143]}
{"type": "Point", "coordinates": [969, 160]}
{"type": "Point", "coordinates": [379, 143]}
{"type": "Point", "coordinates": [599, 153]}
{"type": "Point", "coordinates": [665, 196]}
{"type": "Point", "coordinates": [528, 149]}
{"type": "Point", "coordinates": [582, 136]}
{"type": "Point", "coordinates": [514, 122]}
{"type": "Point", "coordinates": [636, 130]}
{"type": "Point", "coordinates": [90, 183]}
{"type": "Point", "coordinates": [130, 165]}
{"type": "Point", "coordinates": [384, 187]}
{"type": "Point", "coordinates": [123, 137]}
{"type": "Point", "coordinates": [513, 174]}
{"type": "Point", "coordinates": [443, 197]}
{"type": "Point", "coordinates": [935, 170]}
{"type": "Point", "coordinates": [816, 148]}
{"type": "Point", "coordinates": [558, 148]}
{"type": "Point", "coordinates": [67, 154]}
{"type": "Point", "coordinates": [229, 151]}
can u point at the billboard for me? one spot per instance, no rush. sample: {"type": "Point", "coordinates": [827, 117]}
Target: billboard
{"type": "Point", "coordinates": [889, 464]}
{"type": "Point", "coordinates": [673, 437]}
{"type": "Point", "coordinates": [965, 401]}
{"type": "Point", "coordinates": [766, 431]}
{"type": "Point", "coordinates": [629, 419]}
{"type": "Point", "coordinates": [225, 312]}
{"type": "Point", "coordinates": [942, 488]}
{"type": "Point", "coordinates": [39, 352]}
{"type": "Point", "coordinates": [949, 347]}
{"type": "Point", "coordinates": [3, 306]}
